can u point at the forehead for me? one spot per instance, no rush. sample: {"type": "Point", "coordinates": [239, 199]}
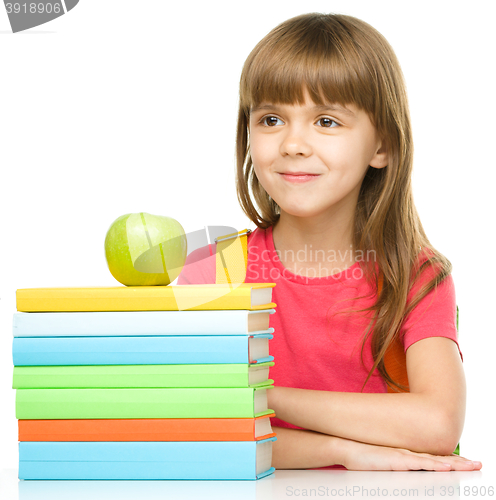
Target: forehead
{"type": "Point", "coordinates": [308, 105]}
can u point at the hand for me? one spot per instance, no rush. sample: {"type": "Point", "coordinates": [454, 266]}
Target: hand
{"type": "Point", "coordinates": [362, 456]}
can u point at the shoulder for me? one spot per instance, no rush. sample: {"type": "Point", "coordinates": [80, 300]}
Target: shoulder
{"type": "Point", "coordinates": [442, 298]}
{"type": "Point", "coordinates": [425, 265]}
{"type": "Point", "coordinates": [435, 314]}
{"type": "Point", "coordinates": [428, 271]}
{"type": "Point", "coordinates": [257, 243]}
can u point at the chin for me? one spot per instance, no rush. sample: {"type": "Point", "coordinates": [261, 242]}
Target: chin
{"type": "Point", "coordinates": [300, 211]}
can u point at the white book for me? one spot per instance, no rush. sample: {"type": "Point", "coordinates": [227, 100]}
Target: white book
{"type": "Point", "coordinates": [137, 323]}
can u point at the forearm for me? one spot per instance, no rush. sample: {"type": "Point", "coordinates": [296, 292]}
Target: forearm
{"type": "Point", "coordinates": [304, 449]}
{"type": "Point", "coordinates": [406, 420]}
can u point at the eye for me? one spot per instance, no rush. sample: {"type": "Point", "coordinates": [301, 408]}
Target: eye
{"type": "Point", "coordinates": [329, 122]}
{"type": "Point", "coordinates": [267, 117]}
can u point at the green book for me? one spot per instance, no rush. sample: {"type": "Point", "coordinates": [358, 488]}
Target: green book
{"type": "Point", "coordinates": [136, 376]}
{"type": "Point", "coordinates": [141, 403]}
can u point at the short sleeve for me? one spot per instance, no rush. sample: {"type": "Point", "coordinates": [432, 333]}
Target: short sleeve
{"type": "Point", "coordinates": [434, 315]}
{"type": "Point", "coordinates": [199, 268]}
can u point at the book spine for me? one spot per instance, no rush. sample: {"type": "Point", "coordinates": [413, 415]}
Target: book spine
{"type": "Point", "coordinates": [140, 460]}
{"type": "Point", "coordinates": [135, 403]}
{"type": "Point", "coordinates": [48, 351]}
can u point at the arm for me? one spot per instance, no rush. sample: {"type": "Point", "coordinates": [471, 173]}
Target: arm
{"type": "Point", "coordinates": [303, 449]}
{"type": "Point", "coordinates": [428, 419]}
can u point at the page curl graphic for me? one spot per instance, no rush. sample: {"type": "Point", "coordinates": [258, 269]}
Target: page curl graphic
{"type": "Point", "coordinates": [196, 240]}
{"type": "Point", "coordinates": [25, 14]}
{"type": "Point", "coordinates": [149, 253]}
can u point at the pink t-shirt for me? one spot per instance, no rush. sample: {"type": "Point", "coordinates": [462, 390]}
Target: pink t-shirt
{"type": "Point", "coordinates": [312, 348]}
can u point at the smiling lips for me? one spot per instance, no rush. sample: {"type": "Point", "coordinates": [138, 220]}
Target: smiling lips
{"type": "Point", "coordinates": [298, 176]}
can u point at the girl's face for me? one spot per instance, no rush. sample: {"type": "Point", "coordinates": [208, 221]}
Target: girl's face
{"type": "Point", "coordinates": [331, 148]}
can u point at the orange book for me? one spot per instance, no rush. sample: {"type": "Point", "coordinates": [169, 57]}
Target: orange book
{"type": "Point", "coordinates": [155, 429]}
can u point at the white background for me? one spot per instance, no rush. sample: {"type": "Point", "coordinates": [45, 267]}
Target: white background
{"type": "Point", "coordinates": [125, 106]}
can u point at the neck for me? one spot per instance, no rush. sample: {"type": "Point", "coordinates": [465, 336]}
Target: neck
{"type": "Point", "coordinates": [321, 245]}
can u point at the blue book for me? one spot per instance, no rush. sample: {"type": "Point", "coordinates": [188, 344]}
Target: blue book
{"type": "Point", "coordinates": [134, 323]}
{"type": "Point", "coordinates": [219, 460]}
{"type": "Point", "coordinates": [153, 350]}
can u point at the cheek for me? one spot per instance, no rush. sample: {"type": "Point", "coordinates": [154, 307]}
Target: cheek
{"type": "Point", "coordinates": [262, 161]}
{"type": "Point", "coordinates": [349, 156]}
{"type": "Point", "coordinates": [263, 178]}
{"type": "Point", "coordinates": [260, 153]}
{"type": "Point", "coordinates": [262, 173]}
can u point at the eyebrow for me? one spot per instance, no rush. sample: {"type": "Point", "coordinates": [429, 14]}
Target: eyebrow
{"type": "Point", "coordinates": [318, 107]}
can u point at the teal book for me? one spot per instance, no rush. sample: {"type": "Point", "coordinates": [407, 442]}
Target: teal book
{"type": "Point", "coordinates": [152, 350]}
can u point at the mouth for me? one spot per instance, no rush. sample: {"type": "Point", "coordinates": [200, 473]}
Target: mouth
{"type": "Point", "coordinates": [297, 173]}
{"type": "Point", "coordinates": [298, 176]}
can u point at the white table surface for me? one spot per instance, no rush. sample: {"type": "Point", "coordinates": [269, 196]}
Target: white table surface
{"type": "Point", "coordinates": [281, 484]}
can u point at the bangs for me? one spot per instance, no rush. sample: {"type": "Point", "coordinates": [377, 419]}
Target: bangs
{"type": "Point", "coordinates": [325, 60]}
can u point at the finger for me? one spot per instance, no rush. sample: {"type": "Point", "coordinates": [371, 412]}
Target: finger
{"type": "Point", "coordinates": [434, 465]}
{"type": "Point", "coordinates": [438, 464]}
{"type": "Point", "coordinates": [454, 461]}
{"type": "Point", "coordinates": [468, 459]}
{"type": "Point", "coordinates": [461, 463]}
{"type": "Point", "coordinates": [418, 462]}
{"type": "Point", "coordinates": [465, 465]}
{"type": "Point", "coordinates": [447, 458]}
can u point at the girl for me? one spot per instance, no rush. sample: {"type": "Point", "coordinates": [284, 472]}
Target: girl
{"type": "Point", "coordinates": [324, 144]}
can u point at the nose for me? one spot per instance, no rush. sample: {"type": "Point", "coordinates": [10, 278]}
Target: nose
{"type": "Point", "coordinates": [295, 143]}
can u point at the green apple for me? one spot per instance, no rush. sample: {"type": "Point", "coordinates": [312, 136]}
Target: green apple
{"type": "Point", "coordinates": [144, 249]}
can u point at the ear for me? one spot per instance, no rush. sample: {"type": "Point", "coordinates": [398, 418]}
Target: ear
{"type": "Point", "coordinates": [381, 157]}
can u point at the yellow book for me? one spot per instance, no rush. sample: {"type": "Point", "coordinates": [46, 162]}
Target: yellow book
{"type": "Point", "coordinates": [251, 296]}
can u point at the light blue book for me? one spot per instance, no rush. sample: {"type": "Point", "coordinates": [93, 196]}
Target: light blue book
{"type": "Point", "coordinates": [219, 460]}
{"type": "Point", "coordinates": [134, 323]}
{"type": "Point", "coordinates": [49, 351]}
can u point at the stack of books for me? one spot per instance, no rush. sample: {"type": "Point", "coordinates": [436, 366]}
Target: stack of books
{"type": "Point", "coordinates": [144, 382]}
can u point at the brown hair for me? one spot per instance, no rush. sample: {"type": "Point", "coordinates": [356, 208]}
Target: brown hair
{"type": "Point", "coordinates": [341, 59]}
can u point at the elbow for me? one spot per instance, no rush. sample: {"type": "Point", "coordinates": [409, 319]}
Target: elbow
{"type": "Point", "coordinates": [445, 433]}
{"type": "Point", "coordinates": [444, 446]}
